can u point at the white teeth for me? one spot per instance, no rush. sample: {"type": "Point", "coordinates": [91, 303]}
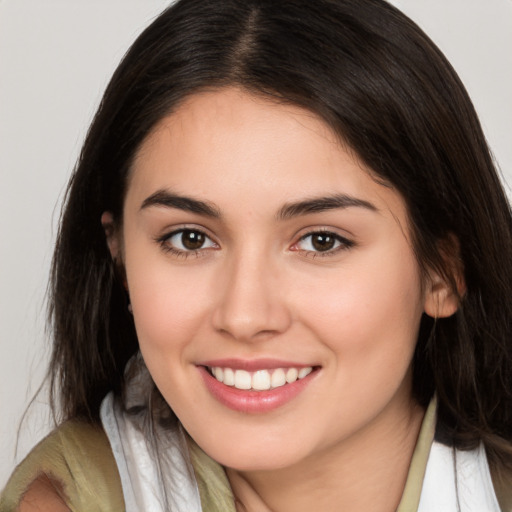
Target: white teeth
{"type": "Point", "coordinates": [291, 375]}
{"type": "Point", "coordinates": [229, 377]}
{"type": "Point", "coordinates": [242, 379]}
{"type": "Point", "coordinates": [218, 373]}
{"type": "Point", "coordinates": [303, 372]}
{"type": "Point", "coordinates": [278, 378]}
{"type": "Point", "coordinates": [260, 380]}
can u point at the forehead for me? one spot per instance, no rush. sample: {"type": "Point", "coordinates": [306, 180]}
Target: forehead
{"type": "Point", "coordinates": [226, 144]}
{"type": "Point", "coordinates": [232, 117]}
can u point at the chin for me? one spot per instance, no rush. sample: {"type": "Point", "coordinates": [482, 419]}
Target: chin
{"type": "Point", "coordinates": [261, 456]}
{"type": "Point", "coordinates": [258, 463]}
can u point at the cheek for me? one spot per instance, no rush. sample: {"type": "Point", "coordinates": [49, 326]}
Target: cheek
{"type": "Point", "coordinates": [374, 304]}
{"type": "Point", "coordinates": [168, 302]}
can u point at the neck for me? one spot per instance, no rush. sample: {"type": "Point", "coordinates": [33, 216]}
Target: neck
{"type": "Point", "coordinates": [365, 472]}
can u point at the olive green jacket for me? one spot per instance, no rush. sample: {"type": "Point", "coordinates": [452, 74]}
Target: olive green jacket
{"type": "Point", "coordinates": [79, 457]}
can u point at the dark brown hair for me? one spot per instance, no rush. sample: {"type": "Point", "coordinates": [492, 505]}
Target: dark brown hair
{"type": "Point", "coordinates": [387, 90]}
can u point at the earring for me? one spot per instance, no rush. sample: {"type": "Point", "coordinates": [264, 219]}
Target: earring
{"type": "Point", "coordinates": [130, 309]}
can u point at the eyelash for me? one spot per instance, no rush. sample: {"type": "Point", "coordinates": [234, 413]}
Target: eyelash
{"type": "Point", "coordinates": [166, 246]}
{"type": "Point", "coordinates": [343, 244]}
{"type": "Point", "coordinates": [164, 241]}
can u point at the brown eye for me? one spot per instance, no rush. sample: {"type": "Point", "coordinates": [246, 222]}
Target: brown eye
{"type": "Point", "coordinates": [188, 240]}
{"type": "Point", "coordinates": [323, 242]}
{"type": "Point", "coordinates": [192, 240]}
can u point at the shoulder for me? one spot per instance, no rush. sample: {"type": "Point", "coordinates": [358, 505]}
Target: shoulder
{"type": "Point", "coordinates": [75, 465]}
{"type": "Point", "coordinates": [43, 495]}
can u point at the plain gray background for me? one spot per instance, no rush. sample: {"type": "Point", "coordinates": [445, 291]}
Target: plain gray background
{"type": "Point", "coordinates": [56, 57]}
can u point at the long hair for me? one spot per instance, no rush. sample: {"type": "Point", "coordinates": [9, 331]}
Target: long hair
{"type": "Point", "coordinates": [379, 82]}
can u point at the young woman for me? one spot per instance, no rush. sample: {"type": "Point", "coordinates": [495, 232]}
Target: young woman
{"type": "Point", "coordinates": [282, 279]}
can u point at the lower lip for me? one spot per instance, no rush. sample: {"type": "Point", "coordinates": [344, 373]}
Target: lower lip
{"type": "Point", "coordinates": [254, 402]}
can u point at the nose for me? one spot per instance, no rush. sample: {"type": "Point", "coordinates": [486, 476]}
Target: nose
{"type": "Point", "coordinates": [252, 302]}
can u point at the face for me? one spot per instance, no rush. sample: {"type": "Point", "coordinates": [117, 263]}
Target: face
{"type": "Point", "coordinates": [260, 252]}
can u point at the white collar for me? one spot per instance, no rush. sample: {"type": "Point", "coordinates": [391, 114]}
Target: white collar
{"type": "Point", "coordinates": [155, 476]}
{"type": "Point", "coordinates": [457, 481]}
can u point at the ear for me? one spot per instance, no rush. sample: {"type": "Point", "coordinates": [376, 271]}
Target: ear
{"type": "Point", "coordinates": [444, 290]}
{"type": "Point", "coordinates": [111, 235]}
{"type": "Point", "coordinates": [441, 300]}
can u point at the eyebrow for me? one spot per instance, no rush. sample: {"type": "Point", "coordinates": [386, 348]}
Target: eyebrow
{"type": "Point", "coordinates": [169, 199]}
{"type": "Point", "coordinates": [322, 204]}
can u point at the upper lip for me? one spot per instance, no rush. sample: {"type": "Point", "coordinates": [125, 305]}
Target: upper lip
{"type": "Point", "coordinates": [252, 365]}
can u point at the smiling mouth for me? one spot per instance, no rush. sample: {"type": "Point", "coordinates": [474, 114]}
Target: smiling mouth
{"type": "Point", "coordinates": [260, 380]}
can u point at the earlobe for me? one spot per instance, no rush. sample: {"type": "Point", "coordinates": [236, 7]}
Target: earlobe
{"type": "Point", "coordinates": [111, 235]}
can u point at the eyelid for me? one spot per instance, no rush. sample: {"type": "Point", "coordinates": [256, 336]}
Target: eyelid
{"type": "Point", "coordinates": [166, 232]}
{"type": "Point", "coordinates": [163, 241]}
{"type": "Point", "coordinates": [345, 243]}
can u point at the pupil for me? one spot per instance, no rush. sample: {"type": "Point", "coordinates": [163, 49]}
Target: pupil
{"type": "Point", "coordinates": [192, 240]}
{"type": "Point", "coordinates": [323, 242]}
